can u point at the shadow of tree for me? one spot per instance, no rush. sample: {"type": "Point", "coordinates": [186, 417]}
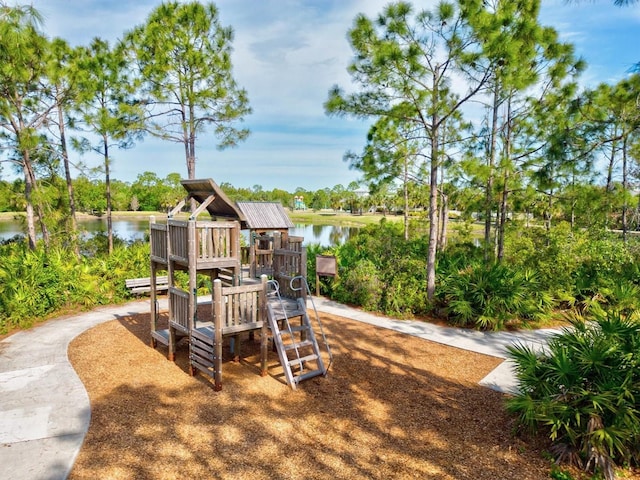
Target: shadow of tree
{"type": "Point", "coordinates": [392, 406]}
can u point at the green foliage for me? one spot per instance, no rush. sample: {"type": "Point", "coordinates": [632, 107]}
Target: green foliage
{"type": "Point", "coordinates": [394, 269]}
{"type": "Point", "coordinates": [578, 268]}
{"type": "Point", "coordinates": [487, 297]}
{"type": "Point", "coordinates": [37, 283]}
{"type": "Point", "coordinates": [583, 391]}
{"type": "Point", "coordinates": [361, 285]}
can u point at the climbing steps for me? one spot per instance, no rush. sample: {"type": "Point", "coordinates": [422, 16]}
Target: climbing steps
{"type": "Point", "coordinates": [295, 341]}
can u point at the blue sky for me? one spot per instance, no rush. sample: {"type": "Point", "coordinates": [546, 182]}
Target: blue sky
{"type": "Point", "coordinates": [287, 54]}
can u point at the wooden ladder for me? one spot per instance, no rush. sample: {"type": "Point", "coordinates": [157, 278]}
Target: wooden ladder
{"type": "Point", "coordinates": [296, 345]}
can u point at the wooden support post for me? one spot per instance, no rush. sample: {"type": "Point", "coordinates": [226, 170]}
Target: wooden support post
{"type": "Point", "coordinates": [235, 347]}
{"type": "Point", "coordinates": [217, 334]}
{"type": "Point", "coordinates": [172, 344]}
{"type": "Point", "coordinates": [264, 340]}
{"type": "Point", "coordinates": [192, 248]}
{"type": "Point", "coordinates": [154, 305]}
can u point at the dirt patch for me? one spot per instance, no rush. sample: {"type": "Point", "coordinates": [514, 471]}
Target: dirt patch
{"type": "Point", "coordinates": [392, 406]}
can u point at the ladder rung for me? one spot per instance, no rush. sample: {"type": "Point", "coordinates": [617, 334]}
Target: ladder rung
{"type": "Point", "coordinates": [305, 343]}
{"type": "Point", "coordinates": [308, 358]}
{"type": "Point", "coordinates": [310, 374]}
{"type": "Point", "coordinates": [295, 328]}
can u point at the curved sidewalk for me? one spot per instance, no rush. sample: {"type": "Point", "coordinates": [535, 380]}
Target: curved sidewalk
{"type": "Point", "coordinates": [45, 411]}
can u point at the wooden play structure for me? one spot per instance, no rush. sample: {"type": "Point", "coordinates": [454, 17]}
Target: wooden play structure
{"type": "Point", "coordinates": [235, 304]}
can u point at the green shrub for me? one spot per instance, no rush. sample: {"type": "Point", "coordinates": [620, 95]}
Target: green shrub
{"type": "Point", "coordinates": [488, 297]}
{"type": "Point", "coordinates": [34, 284]}
{"type": "Point", "coordinates": [584, 392]}
{"type": "Point", "coordinates": [360, 285]}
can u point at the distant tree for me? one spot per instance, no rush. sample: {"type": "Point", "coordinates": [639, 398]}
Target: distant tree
{"type": "Point", "coordinates": [24, 104]}
{"type": "Point", "coordinates": [62, 77]}
{"type": "Point", "coordinates": [106, 109]}
{"type": "Point", "coordinates": [183, 56]}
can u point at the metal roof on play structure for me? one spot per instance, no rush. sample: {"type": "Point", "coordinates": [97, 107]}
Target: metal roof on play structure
{"type": "Point", "coordinates": [265, 215]}
{"type": "Point", "coordinates": [252, 215]}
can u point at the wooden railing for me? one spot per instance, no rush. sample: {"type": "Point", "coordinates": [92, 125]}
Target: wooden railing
{"type": "Point", "coordinates": [243, 308]}
{"type": "Point", "coordinates": [179, 241]}
{"type": "Point", "coordinates": [179, 309]}
{"type": "Point", "coordinates": [158, 241]}
{"type": "Point", "coordinates": [211, 241]}
{"type": "Point", "coordinates": [217, 240]}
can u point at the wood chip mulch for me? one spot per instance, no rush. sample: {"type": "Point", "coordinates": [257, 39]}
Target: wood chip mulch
{"type": "Point", "coordinates": [391, 406]}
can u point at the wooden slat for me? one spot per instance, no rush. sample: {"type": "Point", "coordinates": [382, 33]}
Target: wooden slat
{"type": "Point", "coordinates": [244, 327]}
{"type": "Point", "coordinates": [206, 354]}
{"type": "Point", "coordinates": [204, 369]}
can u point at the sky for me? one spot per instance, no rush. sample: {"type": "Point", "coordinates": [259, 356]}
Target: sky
{"type": "Point", "coordinates": [287, 55]}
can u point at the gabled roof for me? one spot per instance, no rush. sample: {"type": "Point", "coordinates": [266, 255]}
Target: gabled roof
{"type": "Point", "coordinates": [252, 215]}
{"type": "Point", "coordinates": [265, 215]}
{"type": "Point", "coordinates": [221, 206]}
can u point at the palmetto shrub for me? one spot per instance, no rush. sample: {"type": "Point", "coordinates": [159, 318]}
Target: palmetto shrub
{"type": "Point", "coordinates": [487, 297]}
{"type": "Point", "coordinates": [583, 391]}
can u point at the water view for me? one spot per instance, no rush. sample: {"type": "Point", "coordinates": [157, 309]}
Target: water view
{"type": "Point", "coordinates": [136, 229]}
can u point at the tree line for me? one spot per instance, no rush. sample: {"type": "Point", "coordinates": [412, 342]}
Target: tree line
{"type": "Point", "coordinates": [151, 193]}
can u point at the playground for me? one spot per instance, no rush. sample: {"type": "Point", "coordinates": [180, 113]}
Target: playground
{"type": "Point", "coordinates": [393, 406]}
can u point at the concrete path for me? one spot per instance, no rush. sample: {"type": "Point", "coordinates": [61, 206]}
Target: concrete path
{"type": "Point", "coordinates": [45, 410]}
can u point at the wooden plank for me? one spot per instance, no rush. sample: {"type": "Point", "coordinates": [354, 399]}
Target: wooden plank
{"type": "Point", "coordinates": [205, 346]}
{"type": "Point", "coordinates": [179, 327]}
{"type": "Point", "coordinates": [204, 369]}
{"type": "Point", "coordinates": [257, 287]}
{"type": "Point", "coordinates": [244, 327]}
{"type": "Point", "coordinates": [206, 354]}
{"type": "Point", "coordinates": [161, 335]}
{"type": "Point", "coordinates": [205, 337]}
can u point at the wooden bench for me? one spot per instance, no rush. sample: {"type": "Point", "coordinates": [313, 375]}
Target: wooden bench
{"type": "Point", "coordinates": [143, 285]}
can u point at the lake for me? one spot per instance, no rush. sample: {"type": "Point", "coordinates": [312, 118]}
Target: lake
{"type": "Point", "coordinates": [136, 229]}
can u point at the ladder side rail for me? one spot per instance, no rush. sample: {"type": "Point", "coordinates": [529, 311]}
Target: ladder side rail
{"type": "Point", "coordinates": [303, 281]}
{"type": "Point", "coordinates": [288, 325]}
{"type": "Point", "coordinates": [289, 330]}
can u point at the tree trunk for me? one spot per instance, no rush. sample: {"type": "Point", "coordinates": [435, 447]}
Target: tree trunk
{"type": "Point", "coordinates": [505, 188]}
{"type": "Point", "coordinates": [503, 217]}
{"type": "Point", "coordinates": [406, 199]}
{"type": "Point", "coordinates": [490, 164]}
{"type": "Point", "coordinates": [433, 193]}
{"type": "Point", "coordinates": [67, 174]}
{"type": "Point", "coordinates": [36, 207]}
{"type": "Point", "coordinates": [28, 196]}
{"type": "Point", "coordinates": [444, 221]}
{"type": "Point", "coordinates": [624, 189]}
{"type": "Point", "coordinates": [107, 177]}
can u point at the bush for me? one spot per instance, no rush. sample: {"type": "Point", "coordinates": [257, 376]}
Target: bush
{"type": "Point", "coordinates": [488, 297]}
{"type": "Point", "coordinates": [584, 392]}
{"type": "Point", "coordinates": [34, 284]}
{"type": "Point", "coordinates": [360, 285]}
